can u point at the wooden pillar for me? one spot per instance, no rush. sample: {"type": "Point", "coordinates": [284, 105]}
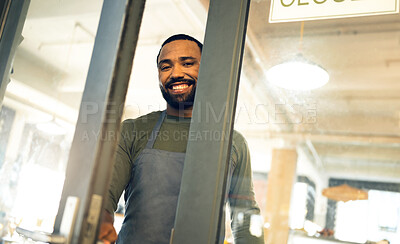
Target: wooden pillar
{"type": "Point", "coordinates": [281, 178]}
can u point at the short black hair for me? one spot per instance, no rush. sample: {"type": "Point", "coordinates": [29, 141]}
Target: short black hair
{"type": "Point", "coordinates": [179, 37]}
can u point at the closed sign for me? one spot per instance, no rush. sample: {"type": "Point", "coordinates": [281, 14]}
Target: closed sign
{"type": "Point", "coordinates": [299, 10]}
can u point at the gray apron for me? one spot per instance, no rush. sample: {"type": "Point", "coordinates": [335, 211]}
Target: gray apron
{"type": "Point", "coordinates": [152, 194]}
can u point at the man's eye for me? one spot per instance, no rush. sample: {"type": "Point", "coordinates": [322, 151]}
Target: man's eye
{"type": "Point", "coordinates": [188, 64]}
{"type": "Point", "coordinates": [165, 67]}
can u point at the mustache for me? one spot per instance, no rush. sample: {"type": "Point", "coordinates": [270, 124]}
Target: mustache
{"type": "Point", "coordinates": [170, 82]}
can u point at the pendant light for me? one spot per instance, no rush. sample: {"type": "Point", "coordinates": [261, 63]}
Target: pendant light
{"type": "Point", "coordinates": [298, 73]}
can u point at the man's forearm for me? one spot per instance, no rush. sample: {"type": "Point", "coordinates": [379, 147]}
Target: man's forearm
{"type": "Point", "coordinates": [247, 231]}
{"type": "Point", "coordinates": [108, 217]}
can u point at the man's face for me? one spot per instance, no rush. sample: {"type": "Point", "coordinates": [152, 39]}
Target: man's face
{"type": "Point", "coordinates": [178, 68]}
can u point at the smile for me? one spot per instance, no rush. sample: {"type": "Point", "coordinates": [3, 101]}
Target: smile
{"type": "Point", "coordinates": [179, 86]}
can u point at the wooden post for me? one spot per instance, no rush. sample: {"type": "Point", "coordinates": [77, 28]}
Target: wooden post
{"type": "Point", "coordinates": [279, 189]}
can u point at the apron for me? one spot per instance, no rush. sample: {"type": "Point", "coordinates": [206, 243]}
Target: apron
{"type": "Point", "coordinates": [152, 194]}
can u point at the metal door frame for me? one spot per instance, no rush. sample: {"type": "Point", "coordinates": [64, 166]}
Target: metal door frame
{"type": "Point", "coordinates": [202, 195]}
{"type": "Point", "coordinates": [14, 17]}
{"type": "Point", "coordinates": [93, 147]}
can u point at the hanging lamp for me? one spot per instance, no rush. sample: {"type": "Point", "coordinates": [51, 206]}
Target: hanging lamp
{"type": "Point", "coordinates": [298, 73]}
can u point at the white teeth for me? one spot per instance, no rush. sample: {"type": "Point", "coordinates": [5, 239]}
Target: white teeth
{"type": "Point", "coordinates": [179, 87]}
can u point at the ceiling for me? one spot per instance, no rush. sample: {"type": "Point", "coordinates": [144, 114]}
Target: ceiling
{"type": "Point", "coordinates": [357, 121]}
{"type": "Point", "coordinates": [352, 124]}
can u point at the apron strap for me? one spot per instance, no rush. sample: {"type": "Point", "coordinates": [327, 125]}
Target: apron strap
{"type": "Point", "coordinates": [156, 130]}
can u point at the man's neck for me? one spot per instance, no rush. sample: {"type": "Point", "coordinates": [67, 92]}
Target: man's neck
{"type": "Point", "coordinates": [186, 112]}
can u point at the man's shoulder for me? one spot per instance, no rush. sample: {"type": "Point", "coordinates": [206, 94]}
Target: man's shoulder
{"type": "Point", "coordinates": [239, 146]}
{"type": "Point", "coordinates": [153, 116]}
{"type": "Point", "coordinates": [238, 138]}
{"type": "Point", "coordinates": [142, 123]}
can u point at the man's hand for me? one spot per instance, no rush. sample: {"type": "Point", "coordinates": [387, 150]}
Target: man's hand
{"type": "Point", "coordinates": [107, 232]}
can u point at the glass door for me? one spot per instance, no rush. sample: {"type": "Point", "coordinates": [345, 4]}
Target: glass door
{"type": "Point", "coordinates": [39, 112]}
{"type": "Point", "coordinates": [326, 157]}
{"type": "Point", "coordinates": [321, 156]}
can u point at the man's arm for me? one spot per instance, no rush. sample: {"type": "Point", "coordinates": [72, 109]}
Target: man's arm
{"type": "Point", "coordinates": [241, 197]}
{"type": "Point", "coordinates": [120, 178]}
{"type": "Point", "coordinates": [107, 232]}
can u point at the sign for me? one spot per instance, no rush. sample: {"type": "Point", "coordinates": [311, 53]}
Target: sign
{"type": "Point", "coordinates": [299, 10]}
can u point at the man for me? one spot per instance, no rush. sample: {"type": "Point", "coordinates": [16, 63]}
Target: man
{"type": "Point", "coordinates": [151, 152]}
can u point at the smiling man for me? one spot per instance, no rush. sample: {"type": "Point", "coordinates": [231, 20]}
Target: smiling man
{"type": "Point", "coordinates": [178, 67]}
{"type": "Point", "coordinates": [150, 156]}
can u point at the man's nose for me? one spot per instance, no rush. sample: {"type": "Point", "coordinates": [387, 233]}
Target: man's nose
{"type": "Point", "coordinates": [177, 72]}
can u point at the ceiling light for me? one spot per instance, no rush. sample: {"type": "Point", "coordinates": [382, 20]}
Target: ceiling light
{"type": "Point", "coordinates": [298, 74]}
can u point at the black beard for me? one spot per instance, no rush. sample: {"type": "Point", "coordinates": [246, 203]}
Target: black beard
{"type": "Point", "coordinates": [179, 101]}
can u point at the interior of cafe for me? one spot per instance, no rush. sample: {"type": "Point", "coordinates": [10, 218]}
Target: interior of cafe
{"type": "Point", "coordinates": [324, 145]}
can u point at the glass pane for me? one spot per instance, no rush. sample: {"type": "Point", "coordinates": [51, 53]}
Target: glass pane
{"type": "Point", "coordinates": [40, 110]}
{"type": "Point", "coordinates": [144, 94]}
{"type": "Point", "coordinates": [302, 142]}
{"type": "Point", "coordinates": [341, 139]}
